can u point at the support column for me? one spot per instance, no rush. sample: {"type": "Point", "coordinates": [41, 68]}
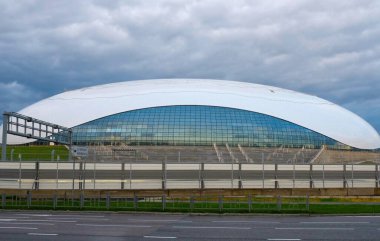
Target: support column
{"type": "Point", "coordinates": [4, 140]}
{"type": "Point", "coordinates": [70, 145]}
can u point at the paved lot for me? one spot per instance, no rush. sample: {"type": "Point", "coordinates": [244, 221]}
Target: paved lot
{"type": "Point", "coordinates": [45, 225]}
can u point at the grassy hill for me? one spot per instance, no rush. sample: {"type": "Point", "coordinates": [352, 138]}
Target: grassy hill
{"type": "Point", "coordinates": [37, 153]}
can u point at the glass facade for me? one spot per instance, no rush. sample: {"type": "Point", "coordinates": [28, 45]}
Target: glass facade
{"type": "Point", "coordinates": [198, 125]}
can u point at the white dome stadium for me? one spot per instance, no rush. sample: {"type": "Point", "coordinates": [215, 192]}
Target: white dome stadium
{"type": "Point", "coordinates": [73, 108]}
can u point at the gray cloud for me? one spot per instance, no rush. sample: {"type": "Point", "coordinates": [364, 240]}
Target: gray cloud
{"type": "Point", "coordinates": [324, 48]}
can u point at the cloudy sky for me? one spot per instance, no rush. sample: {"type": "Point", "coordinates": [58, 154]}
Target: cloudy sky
{"type": "Point", "coordinates": [326, 48]}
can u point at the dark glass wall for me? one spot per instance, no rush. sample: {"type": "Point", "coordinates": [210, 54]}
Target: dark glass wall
{"type": "Point", "coordinates": [198, 125]}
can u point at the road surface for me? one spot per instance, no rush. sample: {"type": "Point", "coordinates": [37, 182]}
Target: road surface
{"type": "Point", "coordinates": [47, 225]}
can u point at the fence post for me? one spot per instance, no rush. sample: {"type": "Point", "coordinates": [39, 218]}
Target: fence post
{"type": "Point", "coordinates": [3, 200]}
{"type": "Point", "coordinates": [377, 176]}
{"type": "Point", "coordinates": [262, 162]}
{"type": "Point", "coordinates": [122, 183]}
{"type": "Point", "coordinates": [191, 203]}
{"type": "Point", "coordinates": [135, 202]}
{"type": "Point", "coordinates": [130, 175]}
{"type": "Point", "coordinates": [202, 175]}
{"type": "Point", "coordinates": [240, 181]}
{"type": "Point", "coordinates": [29, 199]}
{"type": "Point", "coordinates": [275, 176]}
{"type": "Point", "coordinates": [294, 174]}
{"type": "Point", "coordinates": [56, 177]}
{"type": "Point", "coordinates": [163, 202]}
{"type": "Point", "coordinates": [37, 174]}
{"type": "Point", "coordinates": [352, 175]}
{"type": "Point", "coordinates": [311, 176]}
{"type": "Point", "coordinates": [73, 185]}
{"type": "Point", "coordinates": [108, 201]}
{"type": "Point", "coordinates": [163, 175]}
{"type": "Point", "coordinates": [279, 204]}
{"type": "Point", "coordinates": [94, 177]}
{"type": "Point", "coordinates": [232, 175]}
{"type": "Point", "coordinates": [344, 176]}
{"type": "Point", "coordinates": [220, 201]}
{"type": "Point", "coordinates": [81, 200]}
{"type": "Point", "coordinates": [12, 152]}
{"type": "Point", "coordinates": [249, 202]}
{"type": "Point", "coordinates": [84, 175]}
{"type": "Point", "coordinates": [323, 175]}
{"type": "Point", "coordinates": [54, 201]}
{"type": "Point", "coordinates": [19, 172]}
{"type": "Point", "coordinates": [81, 176]}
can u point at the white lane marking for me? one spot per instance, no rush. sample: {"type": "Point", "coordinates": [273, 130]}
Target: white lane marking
{"type": "Point", "coordinates": [284, 239]}
{"type": "Point", "coordinates": [114, 225]}
{"type": "Point", "coordinates": [43, 234]}
{"type": "Point", "coordinates": [57, 215]}
{"type": "Point", "coordinates": [244, 222]}
{"type": "Point", "coordinates": [159, 237]}
{"type": "Point", "coordinates": [361, 216]}
{"type": "Point", "coordinates": [211, 227]}
{"type": "Point", "coordinates": [334, 222]}
{"type": "Point", "coordinates": [7, 220]}
{"type": "Point", "coordinates": [26, 223]}
{"type": "Point", "coordinates": [159, 220]}
{"type": "Point", "coordinates": [49, 220]}
{"type": "Point", "coordinates": [17, 228]}
{"type": "Point", "coordinates": [315, 228]}
{"type": "Point", "coordinates": [94, 219]}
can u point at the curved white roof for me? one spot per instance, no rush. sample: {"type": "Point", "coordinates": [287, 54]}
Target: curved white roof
{"type": "Point", "coordinates": [75, 107]}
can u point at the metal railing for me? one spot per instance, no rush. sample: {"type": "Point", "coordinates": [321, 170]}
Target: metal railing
{"type": "Point", "coordinates": [214, 203]}
{"type": "Point", "coordinates": [118, 176]}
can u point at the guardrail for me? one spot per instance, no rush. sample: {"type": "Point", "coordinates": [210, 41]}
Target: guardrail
{"type": "Point", "coordinates": [210, 203]}
{"type": "Point", "coordinates": [118, 176]}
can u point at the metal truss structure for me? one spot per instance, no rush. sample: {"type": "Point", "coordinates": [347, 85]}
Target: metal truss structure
{"type": "Point", "coordinates": [29, 127]}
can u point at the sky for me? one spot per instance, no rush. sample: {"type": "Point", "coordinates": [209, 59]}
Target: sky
{"type": "Point", "coordinates": [330, 49]}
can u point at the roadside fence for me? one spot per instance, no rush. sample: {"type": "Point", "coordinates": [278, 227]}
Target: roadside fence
{"type": "Point", "coordinates": [162, 176]}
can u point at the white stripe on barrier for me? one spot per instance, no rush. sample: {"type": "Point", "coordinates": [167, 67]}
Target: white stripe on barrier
{"type": "Point", "coordinates": [251, 167]}
{"type": "Point", "coordinates": [49, 166]}
{"type": "Point", "coordinates": [364, 168]}
{"type": "Point", "coordinates": [211, 167]}
{"type": "Point", "coordinates": [171, 167]}
{"type": "Point", "coordinates": [329, 167]}
{"type": "Point", "coordinates": [302, 167]}
{"type": "Point", "coordinates": [9, 165]}
{"type": "Point", "coordinates": [285, 167]}
{"type": "Point", "coordinates": [144, 167]}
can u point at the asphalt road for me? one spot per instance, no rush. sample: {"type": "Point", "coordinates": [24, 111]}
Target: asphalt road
{"type": "Point", "coordinates": [46, 225]}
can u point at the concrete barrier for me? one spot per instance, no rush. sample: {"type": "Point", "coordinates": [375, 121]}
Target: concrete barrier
{"type": "Point", "coordinates": [316, 192]}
